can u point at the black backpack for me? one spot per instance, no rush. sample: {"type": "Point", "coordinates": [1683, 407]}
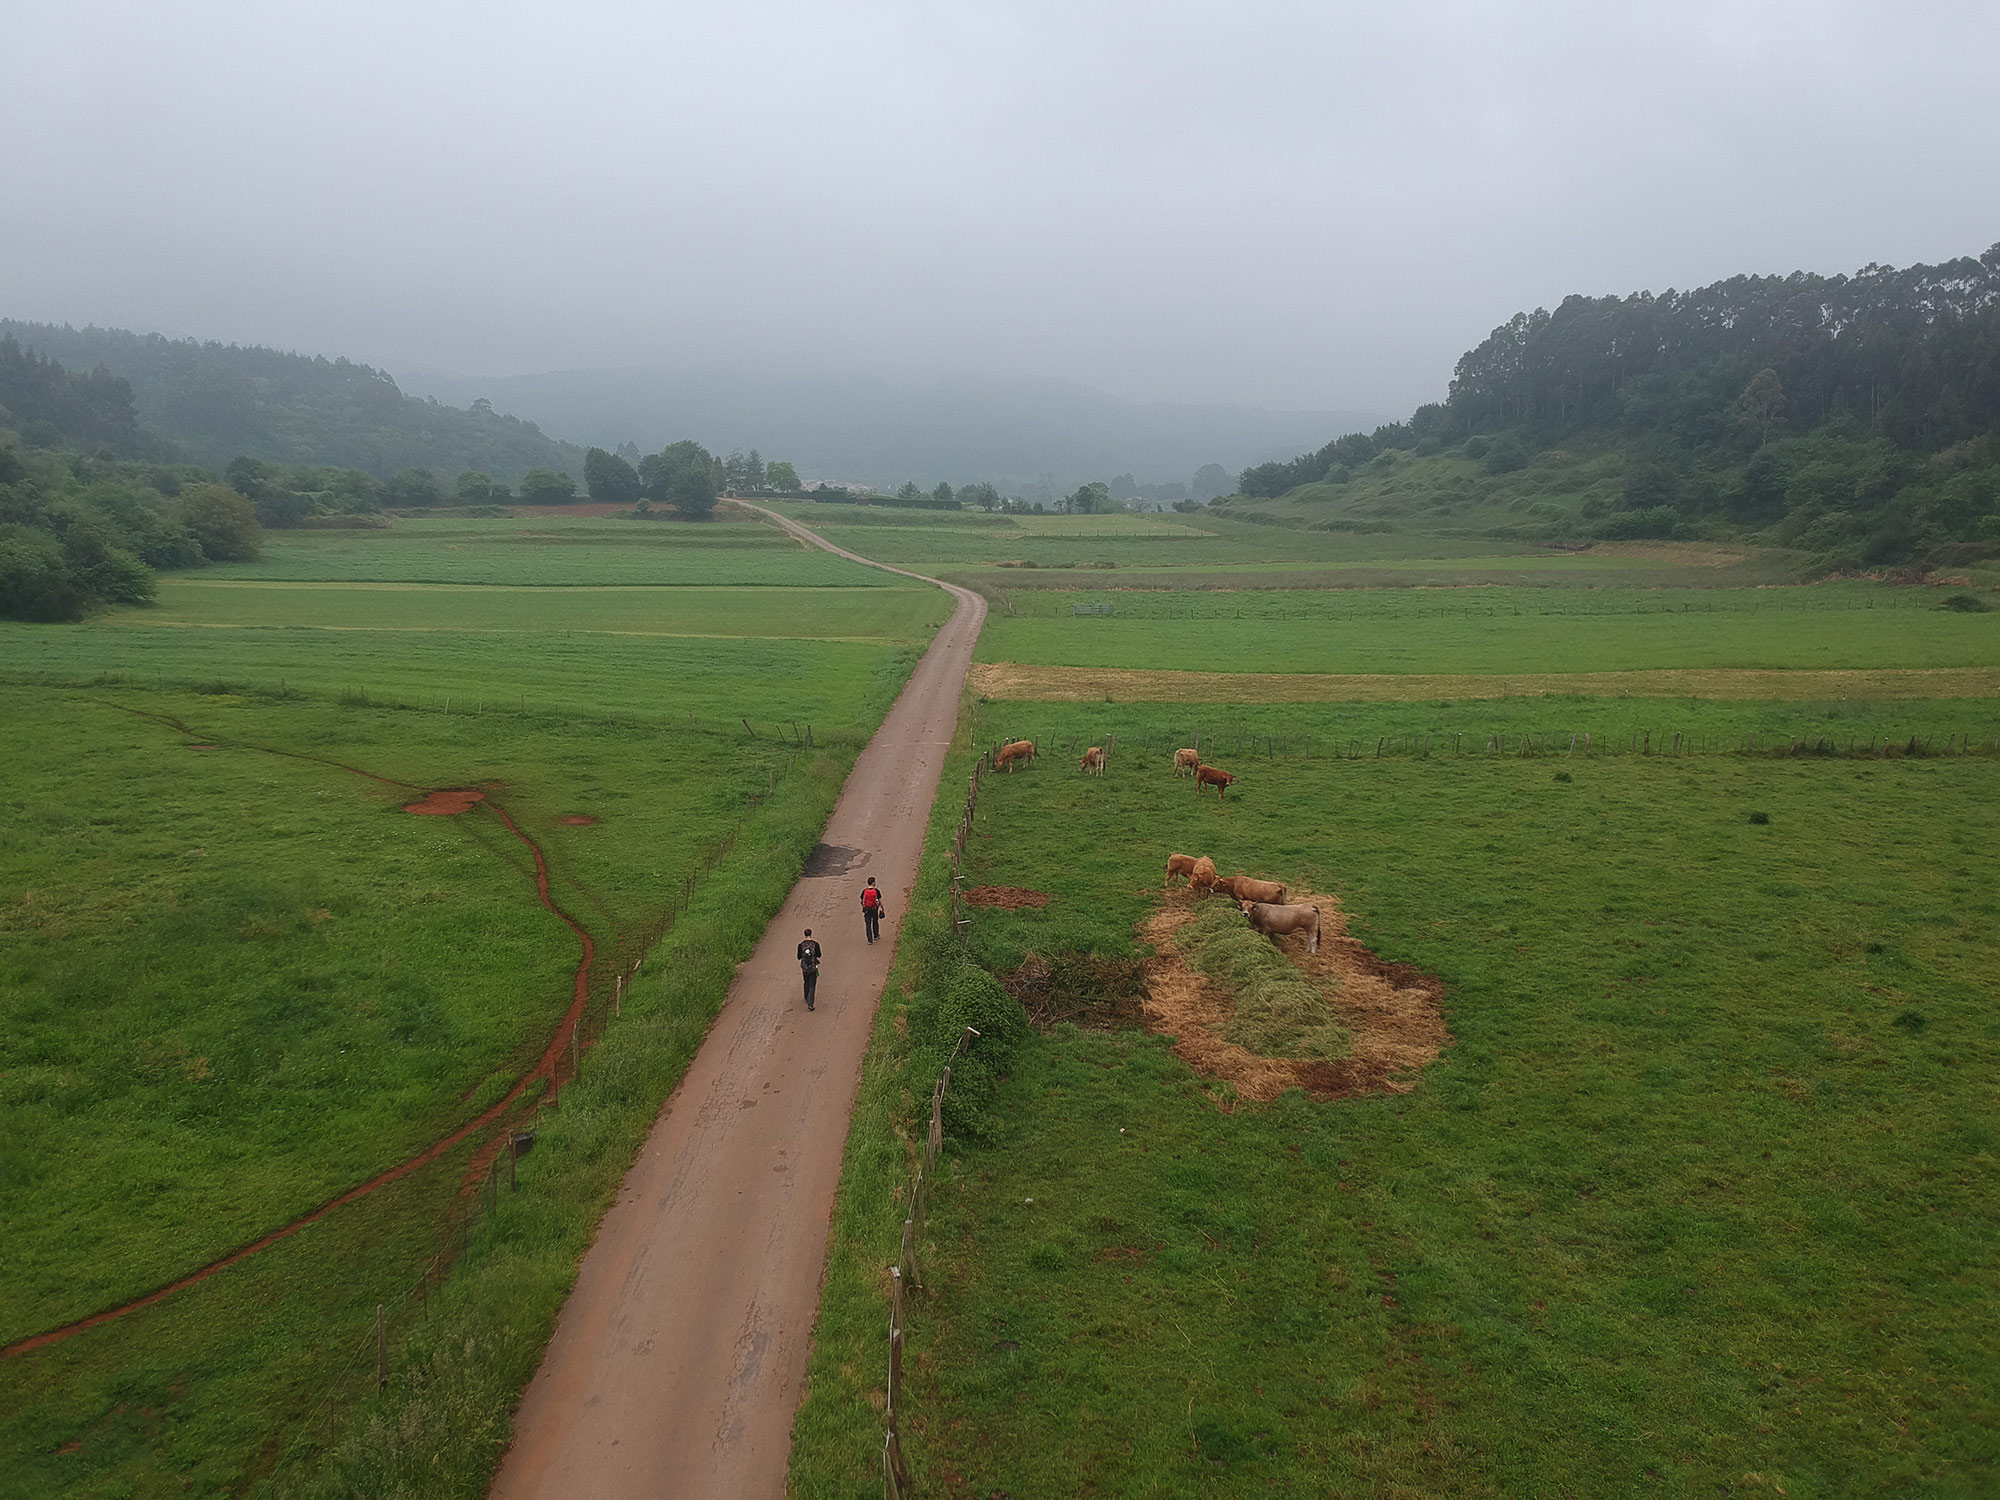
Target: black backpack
{"type": "Point", "coordinates": [809, 960]}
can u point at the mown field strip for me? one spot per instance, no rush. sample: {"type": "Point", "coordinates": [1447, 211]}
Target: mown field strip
{"type": "Point", "coordinates": [1017, 680]}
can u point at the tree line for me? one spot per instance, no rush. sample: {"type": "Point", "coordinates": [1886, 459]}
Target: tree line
{"type": "Point", "coordinates": [1856, 418]}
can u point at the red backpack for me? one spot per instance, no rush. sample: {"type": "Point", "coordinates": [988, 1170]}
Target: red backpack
{"type": "Point", "coordinates": [870, 899]}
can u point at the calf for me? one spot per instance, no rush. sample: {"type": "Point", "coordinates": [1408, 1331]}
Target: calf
{"type": "Point", "coordinates": [1186, 762]}
{"type": "Point", "coordinates": [1202, 877]}
{"type": "Point", "coordinates": [1271, 920]}
{"type": "Point", "coordinates": [1180, 864]}
{"type": "Point", "coordinates": [1093, 760]}
{"type": "Point", "coordinates": [1213, 776]}
{"type": "Point", "coordinates": [1243, 888]}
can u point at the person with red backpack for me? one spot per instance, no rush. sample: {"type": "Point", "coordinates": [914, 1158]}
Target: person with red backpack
{"type": "Point", "coordinates": [871, 910]}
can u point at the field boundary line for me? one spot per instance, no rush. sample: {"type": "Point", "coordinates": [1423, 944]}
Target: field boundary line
{"type": "Point", "coordinates": [1026, 681]}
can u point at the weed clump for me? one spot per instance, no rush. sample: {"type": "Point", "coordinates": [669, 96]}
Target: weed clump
{"type": "Point", "coordinates": [1564, 776]}
{"type": "Point", "coordinates": [1280, 1012]}
{"type": "Point", "coordinates": [1760, 817]}
{"type": "Point", "coordinates": [1967, 604]}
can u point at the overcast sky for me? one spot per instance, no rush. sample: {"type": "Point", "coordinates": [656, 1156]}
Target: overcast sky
{"type": "Point", "coordinates": [1303, 205]}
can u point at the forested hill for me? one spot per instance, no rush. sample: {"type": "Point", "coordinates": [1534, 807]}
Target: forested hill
{"type": "Point", "coordinates": [219, 401]}
{"type": "Point", "coordinates": [1854, 417]}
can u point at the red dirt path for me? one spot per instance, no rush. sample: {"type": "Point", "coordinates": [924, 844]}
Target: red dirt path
{"type": "Point", "coordinates": [544, 1068]}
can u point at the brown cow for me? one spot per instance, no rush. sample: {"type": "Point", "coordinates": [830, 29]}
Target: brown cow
{"type": "Point", "coordinates": [1243, 888]}
{"type": "Point", "coordinates": [1203, 876]}
{"type": "Point", "coordinates": [1213, 776]}
{"type": "Point", "coordinates": [1093, 760]}
{"type": "Point", "coordinates": [1271, 920]}
{"type": "Point", "coordinates": [1179, 864]}
{"type": "Point", "coordinates": [1186, 762]}
{"type": "Point", "coordinates": [1006, 755]}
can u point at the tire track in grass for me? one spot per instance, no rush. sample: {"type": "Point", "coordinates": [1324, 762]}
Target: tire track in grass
{"type": "Point", "coordinates": [544, 1068]}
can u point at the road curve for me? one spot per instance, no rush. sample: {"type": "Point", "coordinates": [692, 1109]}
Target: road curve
{"type": "Point", "coordinates": [680, 1358]}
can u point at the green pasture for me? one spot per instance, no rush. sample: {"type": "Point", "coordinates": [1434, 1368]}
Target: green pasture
{"type": "Point", "coordinates": [234, 984]}
{"type": "Point", "coordinates": [238, 983]}
{"type": "Point", "coordinates": [899, 615]}
{"type": "Point", "coordinates": [1250, 738]}
{"type": "Point", "coordinates": [1218, 550]}
{"type": "Point", "coordinates": [1701, 1198]}
{"type": "Point", "coordinates": [551, 550]}
{"type": "Point", "coordinates": [1496, 630]}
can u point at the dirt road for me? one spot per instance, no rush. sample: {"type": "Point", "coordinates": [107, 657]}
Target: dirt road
{"type": "Point", "coordinates": [680, 1358]}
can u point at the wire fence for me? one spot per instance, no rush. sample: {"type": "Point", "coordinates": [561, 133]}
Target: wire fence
{"type": "Point", "coordinates": [905, 1273]}
{"type": "Point", "coordinates": [1260, 744]}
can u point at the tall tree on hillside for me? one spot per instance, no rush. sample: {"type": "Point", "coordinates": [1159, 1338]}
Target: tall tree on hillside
{"type": "Point", "coordinates": [781, 477]}
{"type": "Point", "coordinates": [609, 478]}
{"type": "Point", "coordinates": [682, 475]}
{"type": "Point", "coordinates": [1760, 410]}
{"type": "Point", "coordinates": [982, 494]}
{"type": "Point", "coordinates": [942, 492]}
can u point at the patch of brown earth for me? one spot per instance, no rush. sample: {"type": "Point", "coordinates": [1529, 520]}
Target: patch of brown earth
{"type": "Point", "coordinates": [1393, 1012]}
{"type": "Point", "coordinates": [446, 802]}
{"type": "Point", "coordinates": [1006, 897]}
{"type": "Point", "coordinates": [201, 747]}
{"type": "Point", "coordinates": [577, 820]}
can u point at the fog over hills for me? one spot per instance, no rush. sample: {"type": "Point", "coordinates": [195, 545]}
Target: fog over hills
{"type": "Point", "coordinates": [1019, 433]}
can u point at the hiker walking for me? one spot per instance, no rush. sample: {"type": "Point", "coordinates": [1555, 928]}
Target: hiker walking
{"type": "Point", "coordinates": [809, 965]}
{"type": "Point", "coordinates": [871, 910]}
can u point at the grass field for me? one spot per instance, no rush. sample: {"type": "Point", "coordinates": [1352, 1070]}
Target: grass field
{"type": "Point", "coordinates": [1212, 550]}
{"type": "Point", "coordinates": [235, 984]}
{"type": "Point", "coordinates": [1700, 1200]}
{"type": "Point", "coordinates": [816, 654]}
{"type": "Point", "coordinates": [551, 550]}
{"type": "Point", "coordinates": [1498, 630]}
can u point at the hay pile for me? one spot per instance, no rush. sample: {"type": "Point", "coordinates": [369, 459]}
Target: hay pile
{"type": "Point", "coordinates": [1391, 1014]}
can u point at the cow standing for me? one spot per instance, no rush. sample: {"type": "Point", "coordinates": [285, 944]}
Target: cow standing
{"type": "Point", "coordinates": [1093, 760]}
{"type": "Point", "coordinates": [1272, 920]}
{"type": "Point", "coordinates": [1213, 776]}
{"type": "Point", "coordinates": [1186, 762]}
{"type": "Point", "coordinates": [1006, 755]}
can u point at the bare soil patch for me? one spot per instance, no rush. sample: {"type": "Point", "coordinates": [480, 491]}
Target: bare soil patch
{"type": "Point", "coordinates": [446, 802]}
{"type": "Point", "coordinates": [1006, 897]}
{"type": "Point", "coordinates": [1393, 1012]}
{"type": "Point", "coordinates": [577, 820]}
{"type": "Point", "coordinates": [1081, 988]}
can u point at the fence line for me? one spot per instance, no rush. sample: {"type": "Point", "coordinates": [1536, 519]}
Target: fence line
{"type": "Point", "coordinates": [896, 1484]}
{"type": "Point", "coordinates": [1658, 743]}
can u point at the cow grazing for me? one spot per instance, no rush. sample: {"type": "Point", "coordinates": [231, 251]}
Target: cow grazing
{"type": "Point", "coordinates": [1213, 776]}
{"type": "Point", "coordinates": [1186, 762]}
{"type": "Point", "coordinates": [1006, 755]}
{"type": "Point", "coordinates": [1243, 888]}
{"type": "Point", "coordinates": [1271, 919]}
{"type": "Point", "coordinates": [1202, 877]}
{"type": "Point", "coordinates": [1093, 760]}
{"type": "Point", "coordinates": [1180, 864]}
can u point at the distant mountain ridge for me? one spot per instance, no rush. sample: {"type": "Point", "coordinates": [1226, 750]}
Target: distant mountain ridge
{"type": "Point", "coordinates": [1019, 433]}
{"type": "Point", "coordinates": [218, 401]}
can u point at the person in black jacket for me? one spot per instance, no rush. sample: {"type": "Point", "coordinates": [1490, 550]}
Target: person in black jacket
{"type": "Point", "coordinates": [809, 955]}
{"type": "Point", "coordinates": [871, 910]}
